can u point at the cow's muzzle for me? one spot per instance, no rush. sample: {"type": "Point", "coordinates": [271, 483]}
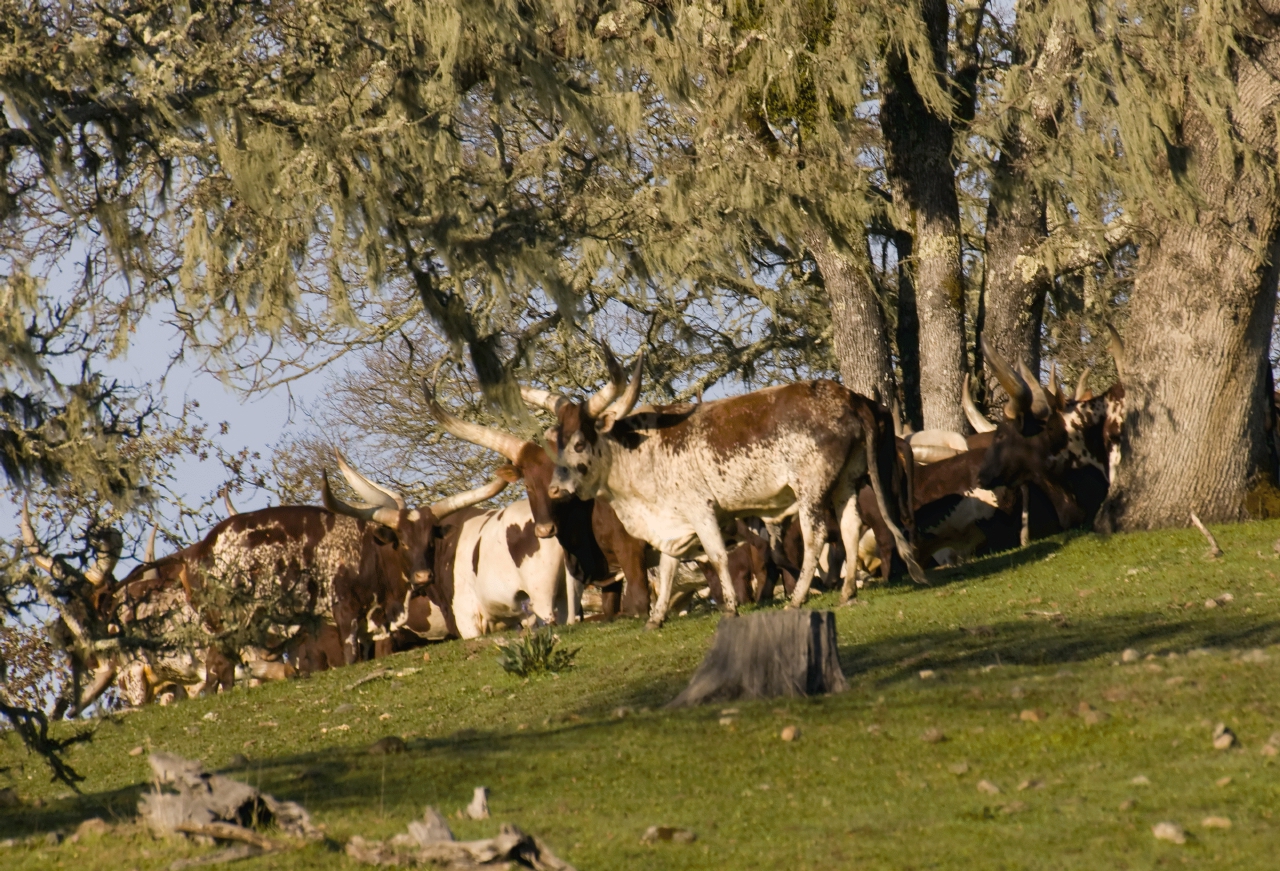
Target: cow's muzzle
{"type": "Point", "coordinates": [544, 530]}
{"type": "Point", "coordinates": [423, 578]}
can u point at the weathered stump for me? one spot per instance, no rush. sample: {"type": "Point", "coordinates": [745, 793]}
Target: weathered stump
{"type": "Point", "coordinates": [765, 655]}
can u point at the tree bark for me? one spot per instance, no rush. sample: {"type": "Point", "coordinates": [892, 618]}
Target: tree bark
{"type": "Point", "coordinates": [857, 321]}
{"type": "Point", "coordinates": [1199, 331]}
{"type": "Point", "coordinates": [908, 335]}
{"type": "Point", "coordinates": [918, 147]}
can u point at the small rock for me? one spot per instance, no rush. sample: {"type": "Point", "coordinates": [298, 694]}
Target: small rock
{"type": "Point", "coordinates": [1171, 832]}
{"type": "Point", "coordinates": [624, 711]}
{"type": "Point", "coordinates": [1128, 804]}
{"type": "Point", "coordinates": [1256, 656]}
{"type": "Point", "coordinates": [1091, 715]}
{"type": "Point", "coordinates": [212, 717]}
{"type": "Point", "coordinates": [729, 712]}
{"type": "Point", "coordinates": [1129, 655]}
{"type": "Point", "coordinates": [1223, 737]}
{"type": "Point", "coordinates": [1030, 783]}
{"type": "Point", "coordinates": [238, 761]}
{"type": "Point", "coordinates": [479, 807]}
{"type": "Point", "coordinates": [344, 708]}
{"type": "Point", "coordinates": [426, 657]}
{"type": "Point", "coordinates": [927, 674]}
{"type": "Point", "coordinates": [1269, 750]}
{"type": "Point", "coordinates": [136, 751]}
{"type": "Point", "coordinates": [933, 736]}
{"type": "Point", "coordinates": [654, 834]}
{"type": "Point", "coordinates": [1208, 603]}
{"type": "Point", "coordinates": [726, 721]}
{"type": "Point", "coordinates": [1141, 780]}
{"type": "Point", "coordinates": [958, 768]}
{"type": "Point", "coordinates": [1014, 807]}
{"type": "Point", "coordinates": [1216, 823]}
{"type": "Point", "coordinates": [1222, 781]}
{"type": "Point", "coordinates": [988, 787]}
{"type": "Point", "coordinates": [790, 733]}
{"type": "Point", "coordinates": [387, 746]}
{"type": "Point", "coordinates": [1031, 715]}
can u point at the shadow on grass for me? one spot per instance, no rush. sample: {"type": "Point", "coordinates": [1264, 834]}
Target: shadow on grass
{"type": "Point", "coordinates": [1037, 641]}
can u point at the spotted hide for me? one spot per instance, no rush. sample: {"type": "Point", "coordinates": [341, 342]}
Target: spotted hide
{"type": "Point", "coordinates": [675, 478]}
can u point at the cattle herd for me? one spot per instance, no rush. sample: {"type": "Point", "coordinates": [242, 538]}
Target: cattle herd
{"type": "Point", "coordinates": [782, 485]}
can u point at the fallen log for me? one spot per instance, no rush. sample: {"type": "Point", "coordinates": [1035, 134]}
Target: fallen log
{"type": "Point", "coordinates": [766, 655]}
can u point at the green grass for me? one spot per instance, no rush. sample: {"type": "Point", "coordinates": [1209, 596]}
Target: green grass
{"type": "Point", "coordinates": [1042, 629]}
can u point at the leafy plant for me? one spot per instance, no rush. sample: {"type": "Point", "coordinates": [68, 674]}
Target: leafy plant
{"type": "Point", "coordinates": [535, 652]}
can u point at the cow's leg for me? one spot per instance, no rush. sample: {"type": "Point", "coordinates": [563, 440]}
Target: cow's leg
{"type": "Point", "coordinates": [572, 599]}
{"type": "Point", "coordinates": [348, 630]}
{"type": "Point", "coordinates": [850, 537]}
{"type": "Point", "coordinates": [707, 528]}
{"type": "Point", "coordinates": [667, 565]}
{"type": "Point", "coordinates": [809, 520]}
{"type": "Point", "coordinates": [610, 599]}
{"type": "Point", "coordinates": [635, 593]}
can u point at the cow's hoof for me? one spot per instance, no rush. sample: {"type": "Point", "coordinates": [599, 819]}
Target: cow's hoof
{"type": "Point", "coordinates": [791, 605]}
{"type": "Point", "coordinates": [652, 625]}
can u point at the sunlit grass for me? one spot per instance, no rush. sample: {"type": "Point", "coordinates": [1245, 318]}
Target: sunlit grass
{"type": "Point", "coordinates": [588, 759]}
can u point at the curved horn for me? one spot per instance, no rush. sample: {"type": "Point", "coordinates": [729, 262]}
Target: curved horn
{"type": "Point", "coordinates": [450, 504]}
{"type": "Point", "coordinates": [1040, 404]}
{"type": "Point", "coordinates": [1082, 386]}
{"type": "Point", "coordinates": [1019, 392]}
{"type": "Point", "coordinates": [107, 545]}
{"type": "Point", "coordinates": [536, 397]}
{"type": "Point", "coordinates": [604, 397]}
{"type": "Point", "coordinates": [226, 500]}
{"type": "Point", "coordinates": [366, 489]}
{"type": "Point", "coordinates": [486, 437]}
{"type": "Point", "coordinates": [383, 514]}
{"type": "Point", "coordinates": [1116, 346]}
{"type": "Point", "coordinates": [977, 419]}
{"type": "Point", "coordinates": [149, 555]}
{"type": "Point", "coordinates": [622, 406]}
{"type": "Point", "coordinates": [41, 560]}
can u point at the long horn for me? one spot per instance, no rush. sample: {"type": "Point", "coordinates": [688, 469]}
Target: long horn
{"type": "Point", "coordinates": [41, 560]}
{"type": "Point", "coordinates": [977, 419]}
{"type": "Point", "coordinates": [1019, 393]}
{"type": "Point", "coordinates": [1053, 388]}
{"type": "Point", "coordinates": [1082, 386]}
{"type": "Point", "coordinates": [376, 513]}
{"type": "Point", "coordinates": [486, 437]}
{"type": "Point", "coordinates": [366, 489]}
{"type": "Point", "coordinates": [1040, 404]}
{"type": "Point", "coordinates": [226, 500]}
{"type": "Point", "coordinates": [107, 545]}
{"type": "Point", "coordinates": [536, 397]}
{"type": "Point", "coordinates": [622, 406]}
{"type": "Point", "coordinates": [1116, 346]}
{"type": "Point", "coordinates": [450, 504]}
{"type": "Point", "coordinates": [604, 397]}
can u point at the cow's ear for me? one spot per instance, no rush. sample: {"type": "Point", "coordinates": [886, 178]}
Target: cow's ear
{"type": "Point", "coordinates": [385, 535]}
{"type": "Point", "coordinates": [508, 473]}
{"type": "Point", "coordinates": [604, 423]}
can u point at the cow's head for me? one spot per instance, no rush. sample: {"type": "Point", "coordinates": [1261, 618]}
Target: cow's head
{"type": "Point", "coordinates": [409, 531]}
{"type": "Point", "coordinates": [582, 454]}
{"type": "Point", "coordinates": [1028, 446]}
{"type": "Point", "coordinates": [534, 463]}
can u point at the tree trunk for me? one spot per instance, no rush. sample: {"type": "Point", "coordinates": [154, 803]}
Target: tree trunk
{"type": "Point", "coordinates": [857, 321]}
{"type": "Point", "coordinates": [908, 335]}
{"type": "Point", "coordinates": [1016, 286]}
{"type": "Point", "coordinates": [918, 147]}
{"type": "Point", "coordinates": [765, 655]}
{"type": "Point", "coordinates": [1199, 331]}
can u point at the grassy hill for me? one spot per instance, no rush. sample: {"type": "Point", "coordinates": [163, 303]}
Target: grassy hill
{"type": "Point", "coordinates": [998, 656]}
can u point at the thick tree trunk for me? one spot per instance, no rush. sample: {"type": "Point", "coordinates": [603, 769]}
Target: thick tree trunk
{"type": "Point", "coordinates": [1199, 331]}
{"type": "Point", "coordinates": [857, 321]}
{"type": "Point", "coordinates": [1013, 298]}
{"type": "Point", "coordinates": [908, 335]}
{"type": "Point", "coordinates": [918, 147]}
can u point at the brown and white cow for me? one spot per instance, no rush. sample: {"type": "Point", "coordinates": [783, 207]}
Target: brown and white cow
{"type": "Point", "coordinates": [596, 545]}
{"type": "Point", "coordinates": [675, 479]}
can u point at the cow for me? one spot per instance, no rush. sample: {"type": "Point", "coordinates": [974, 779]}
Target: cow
{"type": "Point", "coordinates": [504, 574]}
{"type": "Point", "coordinates": [1067, 447]}
{"type": "Point", "coordinates": [596, 545]}
{"type": "Point", "coordinates": [675, 477]}
{"type": "Point", "coordinates": [354, 565]}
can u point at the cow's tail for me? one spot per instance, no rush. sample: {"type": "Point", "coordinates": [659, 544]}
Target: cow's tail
{"type": "Point", "coordinates": [880, 468]}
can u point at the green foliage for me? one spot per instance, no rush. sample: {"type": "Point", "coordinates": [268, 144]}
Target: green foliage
{"type": "Point", "coordinates": [535, 653]}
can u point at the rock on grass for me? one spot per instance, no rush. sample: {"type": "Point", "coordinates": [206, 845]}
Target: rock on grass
{"type": "Point", "coordinates": [1171, 832]}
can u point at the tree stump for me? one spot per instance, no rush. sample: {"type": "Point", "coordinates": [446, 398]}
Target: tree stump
{"type": "Point", "coordinates": [765, 655]}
